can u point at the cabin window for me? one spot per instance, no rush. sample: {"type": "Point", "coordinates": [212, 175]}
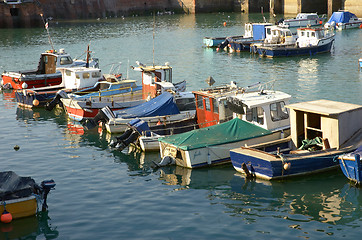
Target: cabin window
{"type": "Point", "coordinates": [200, 102]}
{"type": "Point", "coordinates": [68, 73]}
{"type": "Point", "coordinates": [86, 75]}
{"type": "Point", "coordinates": [207, 104]}
{"type": "Point", "coordinates": [302, 34]}
{"type": "Point", "coordinates": [77, 76]}
{"type": "Point", "coordinates": [255, 115]}
{"type": "Point", "coordinates": [45, 59]}
{"type": "Point", "coordinates": [65, 61]}
{"type": "Point", "coordinates": [288, 34]}
{"type": "Point", "coordinates": [186, 104]}
{"type": "Point", "coordinates": [215, 106]}
{"type": "Point", "coordinates": [96, 74]}
{"type": "Point", "coordinates": [278, 111]}
{"type": "Point", "coordinates": [312, 34]}
{"type": "Point", "coordinates": [168, 76]}
{"type": "Point", "coordinates": [307, 34]}
{"type": "Point", "coordinates": [268, 31]}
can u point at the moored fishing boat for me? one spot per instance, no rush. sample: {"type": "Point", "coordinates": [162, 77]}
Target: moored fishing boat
{"type": "Point", "coordinates": [310, 42]}
{"type": "Point", "coordinates": [86, 104]}
{"type": "Point", "coordinates": [20, 196]}
{"type": "Point", "coordinates": [164, 108]}
{"type": "Point", "coordinates": [350, 164]}
{"type": "Point", "coordinates": [46, 74]}
{"type": "Point", "coordinates": [328, 128]}
{"type": "Point", "coordinates": [73, 79]}
{"type": "Point", "coordinates": [303, 20]}
{"type": "Point", "coordinates": [343, 20]}
{"type": "Point", "coordinates": [216, 41]}
{"type": "Point", "coordinates": [258, 116]}
{"type": "Point", "coordinates": [254, 33]}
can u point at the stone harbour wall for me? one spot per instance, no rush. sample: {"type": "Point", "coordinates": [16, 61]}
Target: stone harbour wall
{"type": "Point", "coordinates": [27, 13]}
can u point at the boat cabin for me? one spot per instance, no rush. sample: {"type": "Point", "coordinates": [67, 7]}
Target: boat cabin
{"type": "Point", "coordinates": [264, 108]}
{"type": "Point", "coordinates": [80, 77]}
{"type": "Point", "coordinates": [279, 35]}
{"type": "Point", "coordinates": [303, 20]}
{"type": "Point", "coordinates": [51, 60]}
{"type": "Point", "coordinates": [309, 36]}
{"type": "Point", "coordinates": [335, 122]}
{"type": "Point", "coordinates": [152, 75]}
{"type": "Point", "coordinates": [255, 30]}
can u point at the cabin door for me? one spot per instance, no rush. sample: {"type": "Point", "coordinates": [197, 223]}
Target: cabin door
{"type": "Point", "coordinates": [50, 64]}
{"type": "Point", "coordinates": [207, 111]}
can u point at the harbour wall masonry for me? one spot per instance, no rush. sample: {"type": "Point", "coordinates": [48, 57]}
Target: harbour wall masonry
{"type": "Point", "coordinates": [25, 13]}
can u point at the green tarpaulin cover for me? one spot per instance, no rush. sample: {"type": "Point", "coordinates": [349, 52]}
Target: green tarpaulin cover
{"type": "Point", "coordinates": [228, 132]}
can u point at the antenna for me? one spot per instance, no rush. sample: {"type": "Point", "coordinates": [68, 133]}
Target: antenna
{"type": "Point", "coordinates": [46, 25]}
{"type": "Point", "coordinates": [153, 44]}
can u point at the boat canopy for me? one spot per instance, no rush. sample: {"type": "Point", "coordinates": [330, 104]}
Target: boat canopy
{"type": "Point", "coordinates": [13, 186]}
{"type": "Point", "coordinates": [159, 106]}
{"type": "Point", "coordinates": [232, 131]}
{"type": "Point", "coordinates": [341, 17]}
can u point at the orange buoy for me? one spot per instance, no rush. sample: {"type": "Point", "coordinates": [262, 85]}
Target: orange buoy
{"type": "Point", "coordinates": [224, 24]}
{"type": "Point", "coordinates": [35, 102]}
{"type": "Point", "coordinates": [360, 26]}
{"type": "Point", "coordinates": [286, 166]}
{"type": "Point", "coordinates": [6, 217]}
{"type": "Point", "coordinates": [320, 22]}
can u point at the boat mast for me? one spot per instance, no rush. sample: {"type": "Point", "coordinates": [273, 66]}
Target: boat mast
{"type": "Point", "coordinates": [46, 27]}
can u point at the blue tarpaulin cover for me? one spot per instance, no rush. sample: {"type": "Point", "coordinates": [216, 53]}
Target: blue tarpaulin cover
{"type": "Point", "coordinates": [341, 17]}
{"type": "Point", "coordinates": [159, 106]}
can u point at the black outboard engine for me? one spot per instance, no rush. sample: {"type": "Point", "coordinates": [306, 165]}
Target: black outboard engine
{"type": "Point", "coordinates": [60, 94]}
{"type": "Point", "coordinates": [223, 44]}
{"type": "Point", "coordinates": [102, 116]}
{"type": "Point", "coordinates": [46, 186]}
{"type": "Point", "coordinates": [135, 128]}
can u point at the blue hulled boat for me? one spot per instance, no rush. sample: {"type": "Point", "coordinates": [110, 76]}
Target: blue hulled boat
{"type": "Point", "coordinates": [254, 33]}
{"type": "Point", "coordinates": [310, 41]}
{"type": "Point", "coordinates": [351, 166]}
{"type": "Point", "coordinates": [329, 129]}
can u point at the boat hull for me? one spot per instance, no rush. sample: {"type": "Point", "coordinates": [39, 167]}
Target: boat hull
{"type": "Point", "coordinates": [351, 166]}
{"type": "Point", "coordinates": [214, 42]}
{"type": "Point", "coordinates": [119, 125]}
{"type": "Point", "coordinates": [22, 207]}
{"type": "Point", "coordinates": [211, 155]}
{"type": "Point", "coordinates": [81, 110]}
{"type": "Point", "coordinates": [16, 80]}
{"type": "Point", "coordinates": [269, 166]}
{"type": "Point", "coordinates": [286, 51]}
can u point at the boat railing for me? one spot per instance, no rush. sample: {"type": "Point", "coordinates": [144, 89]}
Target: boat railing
{"type": "Point", "coordinates": [260, 86]}
{"type": "Point", "coordinates": [125, 95]}
{"type": "Point", "coordinates": [172, 130]}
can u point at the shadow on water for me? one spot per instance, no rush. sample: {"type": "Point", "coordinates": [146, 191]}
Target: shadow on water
{"type": "Point", "coordinates": [29, 228]}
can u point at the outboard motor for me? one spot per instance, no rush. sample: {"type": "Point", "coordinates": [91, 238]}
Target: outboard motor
{"type": "Point", "coordinates": [135, 128]}
{"type": "Point", "coordinates": [223, 44]}
{"type": "Point", "coordinates": [46, 186]}
{"type": "Point", "coordinates": [126, 134]}
{"type": "Point", "coordinates": [102, 116]}
{"type": "Point", "coordinates": [60, 94]}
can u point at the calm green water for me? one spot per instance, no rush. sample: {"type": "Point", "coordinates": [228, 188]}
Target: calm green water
{"type": "Point", "coordinates": [105, 194]}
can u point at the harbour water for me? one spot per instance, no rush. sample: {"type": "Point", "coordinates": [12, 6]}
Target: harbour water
{"type": "Point", "coordinates": [106, 194]}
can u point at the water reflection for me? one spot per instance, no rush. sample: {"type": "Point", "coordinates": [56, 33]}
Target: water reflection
{"type": "Point", "coordinates": [204, 178]}
{"type": "Point", "coordinates": [29, 228]}
{"type": "Point", "coordinates": [325, 198]}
